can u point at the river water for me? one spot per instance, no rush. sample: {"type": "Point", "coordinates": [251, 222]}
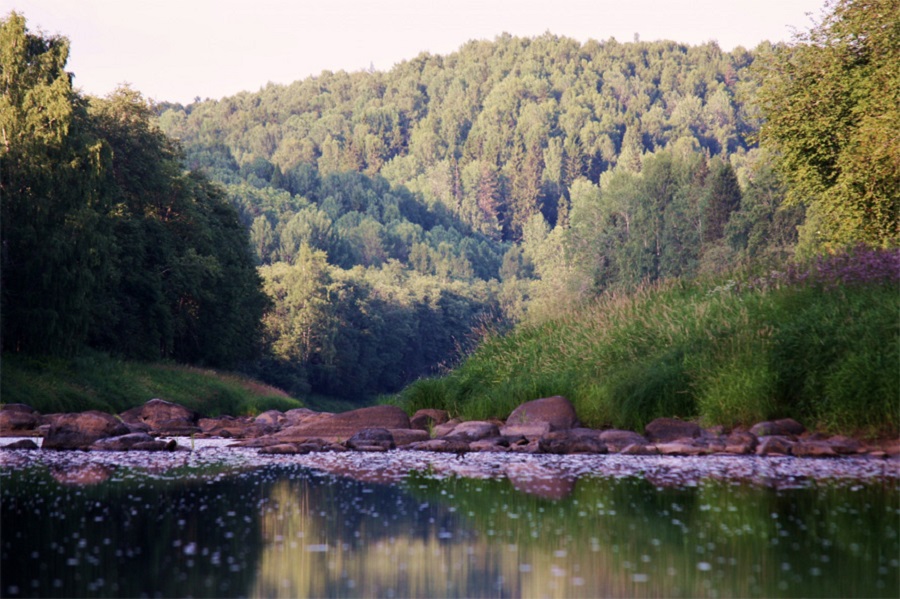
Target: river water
{"type": "Point", "coordinates": [216, 522]}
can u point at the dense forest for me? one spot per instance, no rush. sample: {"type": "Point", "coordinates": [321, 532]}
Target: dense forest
{"type": "Point", "coordinates": [351, 232]}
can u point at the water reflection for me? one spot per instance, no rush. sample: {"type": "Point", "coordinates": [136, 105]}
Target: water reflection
{"type": "Point", "coordinates": [287, 531]}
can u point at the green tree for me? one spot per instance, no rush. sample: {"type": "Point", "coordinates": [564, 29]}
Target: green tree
{"type": "Point", "coordinates": [55, 245]}
{"type": "Point", "coordinates": [831, 101]}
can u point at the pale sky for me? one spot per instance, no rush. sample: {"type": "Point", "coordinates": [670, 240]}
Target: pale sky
{"type": "Point", "coordinates": [176, 50]}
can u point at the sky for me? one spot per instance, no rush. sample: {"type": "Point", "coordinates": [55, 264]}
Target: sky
{"type": "Point", "coordinates": [179, 50]}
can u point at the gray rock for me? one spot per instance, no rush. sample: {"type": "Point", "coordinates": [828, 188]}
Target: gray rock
{"type": "Point", "coordinates": [557, 411]}
{"type": "Point", "coordinates": [663, 430]}
{"type": "Point", "coordinates": [21, 444]}
{"type": "Point", "coordinates": [783, 427]}
{"type": "Point", "coordinates": [17, 418]}
{"type": "Point", "coordinates": [617, 440]}
{"type": "Point", "coordinates": [81, 430]}
{"type": "Point", "coordinates": [164, 417]}
{"type": "Point", "coordinates": [342, 426]}
{"type": "Point", "coordinates": [570, 442]}
{"type": "Point", "coordinates": [681, 447]}
{"type": "Point", "coordinates": [813, 449]}
{"type": "Point", "coordinates": [371, 439]}
{"type": "Point", "coordinates": [774, 445]}
{"type": "Point", "coordinates": [473, 430]}
{"type": "Point", "coordinates": [405, 436]}
{"type": "Point", "coordinates": [427, 419]}
{"type": "Point", "coordinates": [133, 441]}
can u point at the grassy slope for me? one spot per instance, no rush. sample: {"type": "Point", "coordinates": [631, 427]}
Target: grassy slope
{"type": "Point", "coordinates": [825, 355]}
{"type": "Point", "coordinates": [98, 382]}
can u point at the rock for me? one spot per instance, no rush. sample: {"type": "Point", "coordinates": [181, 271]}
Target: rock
{"type": "Point", "coordinates": [342, 426]}
{"type": "Point", "coordinates": [774, 444]}
{"type": "Point", "coordinates": [473, 430]}
{"type": "Point", "coordinates": [427, 419]}
{"type": "Point", "coordinates": [681, 447]}
{"type": "Point", "coordinates": [617, 440]}
{"type": "Point", "coordinates": [663, 430]}
{"type": "Point", "coordinates": [445, 445]}
{"type": "Point", "coordinates": [232, 428]}
{"type": "Point", "coordinates": [446, 429]}
{"type": "Point", "coordinates": [17, 418]}
{"type": "Point", "coordinates": [283, 449]}
{"type": "Point", "coordinates": [529, 431]}
{"type": "Point", "coordinates": [133, 442]}
{"type": "Point", "coordinates": [740, 443]}
{"type": "Point", "coordinates": [557, 411]}
{"type": "Point", "coordinates": [640, 449]}
{"type": "Point", "coordinates": [298, 415]}
{"type": "Point", "coordinates": [372, 439]}
{"type": "Point", "coordinates": [564, 442]}
{"type": "Point", "coordinates": [271, 418]}
{"type": "Point", "coordinates": [845, 445]}
{"type": "Point", "coordinates": [21, 444]}
{"type": "Point", "coordinates": [405, 436]}
{"type": "Point", "coordinates": [81, 430]}
{"type": "Point", "coordinates": [164, 418]}
{"type": "Point", "coordinates": [495, 444]}
{"type": "Point", "coordinates": [783, 427]}
{"type": "Point", "coordinates": [813, 449]}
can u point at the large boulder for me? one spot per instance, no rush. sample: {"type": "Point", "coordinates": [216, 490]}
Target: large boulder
{"type": "Point", "coordinates": [474, 430]}
{"type": "Point", "coordinates": [372, 439]}
{"type": "Point", "coordinates": [163, 417]}
{"type": "Point", "coordinates": [340, 427]}
{"type": "Point", "coordinates": [427, 419]}
{"type": "Point", "coordinates": [663, 430]}
{"type": "Point", "coordinates": [18, 420]}
{"type": "Point", "coordinates": [133, 442]}
{"type": "Point", "coordinates": [81, 430]}
{"type": "Point", "coordinates": [557, 411]}
{"type": "Point", "coordinates": [572, 441]}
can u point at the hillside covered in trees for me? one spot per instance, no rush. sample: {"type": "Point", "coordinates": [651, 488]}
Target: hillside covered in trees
{"type": "Point", "coordinates": [394, 217]}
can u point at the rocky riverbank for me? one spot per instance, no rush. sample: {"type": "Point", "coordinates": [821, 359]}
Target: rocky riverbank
{"type": "Point", "coordinates": [543, 426]}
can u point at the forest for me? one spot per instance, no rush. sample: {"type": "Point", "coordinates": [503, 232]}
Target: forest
{"type": "Point", "coordinates": [350, 233]}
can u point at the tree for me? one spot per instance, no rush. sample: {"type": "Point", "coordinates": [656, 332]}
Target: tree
{"type": "Point", "coordinates": [54, 243]}
{"type": "Point", "coordinates": [832, 106]}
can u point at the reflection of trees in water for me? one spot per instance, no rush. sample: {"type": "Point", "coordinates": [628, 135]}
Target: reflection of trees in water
{"type": "Point", "coordinates": [610, 537]}
{"type": "Point", "coordinates": [279, 532]}
{"type": "Point", "coordinates": [130, 536]}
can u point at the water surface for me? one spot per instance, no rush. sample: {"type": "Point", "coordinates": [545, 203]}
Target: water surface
{"type": "Point", "coordinates": [209, 525]}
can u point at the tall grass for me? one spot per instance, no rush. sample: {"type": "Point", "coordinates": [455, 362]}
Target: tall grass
{"type": "Point", "coordinates": [96, 381]}
{"type": "Point", "coordinates": [819, 343]}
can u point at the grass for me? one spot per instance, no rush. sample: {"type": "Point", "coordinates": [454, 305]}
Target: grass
{"type": "Point", "coordinates": [95, 381]}
{"type": "Point", "coordinates": [814, 344]}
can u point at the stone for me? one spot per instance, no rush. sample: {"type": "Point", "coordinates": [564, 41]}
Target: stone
{"type": "Point", "coordinates": [164, 417]}
{"type": "Point", "coordinates": [445, 445]}
{"type": "Point", "coordinates": [845, 445]}
{"type": "Point", "coordinates": [21, 444]}
{"type": "Point", "coordinates": [495, 444]}
{"type": "Point", "coordinates": [681, 447]}
{"type": "Point", "coordinates": [271, 418]}
{"type": "Point", "coordinates": [17, 419]}
{"type": "Point", "coordinates": [529, 431]}
{"type": "Point", "coordinates": [473, 430]}
{"type": "Point", "coordinates": [133, 441]}
{"type": "Point", "coordinates": [640, 449]}
{"type": "Point", "coordinates": [774, 445]}
{"type": "Point", "coordinates": [81, 430]}
{"type": "Point", "coordinates": [283, 449]}
{"type": "Point", "coordinates": [427, 419]}
{"type": "Point", "coordinates": [813, 449]}
{"type": "Point", "coordinates": [340, 427]}
{"type": "Point", "coordinates": [299, 415]}
{"type": "Point", "coordinates": [405, 436]}
{"type": "Point", "coordinates": [783, 427]}
{"type": "Point", "coordinates": [571, 442]}
{"type": "Point", "coordinates": [371, 439]}
{"type": "Point", "coordinates": [740, 443]}
{"type": "Point", "coordinates": [444, 430]}
{"type": "Point", "coordinates": [557, 411]}
{"type": "Point", "coordinates": [663, 430]}
{"type": "Point", "coordinates": [617, 440]}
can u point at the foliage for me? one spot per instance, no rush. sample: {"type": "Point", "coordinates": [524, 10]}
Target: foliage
{"type": "Point", "coordinates": [727, 353]}
{"type": "Point", "coordinates": [107, 242]}
{"type": "Point", "coordinates": [832, 106]}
